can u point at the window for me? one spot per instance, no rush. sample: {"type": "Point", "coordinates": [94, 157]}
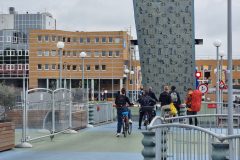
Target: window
{"type": "Point", "coordinates": [88, 40]}
{"type": "Point", "coordinates": [74, 39]}
{"type": "Point", "coordinates": [103, 53]}
{"type": "Point", "coordinates": [53, 38]}
{"type": "Point", "coordinates": [74, 53]}
{"type": "Point", "coordinates": [80, 67]}
{"type": "Point", "coordinates": [8, 52]}
{"type": "Point", "coordinates": [68, 67]}
{"type": "Point", "coordinates": [53, 53]}
{"type": "Point", "coordinates": [1, 52]}
{"type": "Point", "coordinates": [233, 67]}
{"type": "Point", "coordinates": [117, 40]}
{"type": "Point", "coordinates": [68, 39]}
{"type": "Point", "coordinates": [110, 53]}
{"type": "Point", "coordinates": [63, 53]}
{"type": "Point", "coordinates": [74, 67]}
{"type": "Point", "coordinates": [46, 53]}
{"type": "Point", "coordinates": [46, 38]}
{"type": "Point", "coordinates": [19, 67]}
{"type": "Point", "coordinates": [26, 66]}
{"type": "Point", "coordinates": [88, 54]}
{"type": "Point", "coordinates": [46, 67]}
{"type": "Point", "coordinates": [1, 39]}
{"type": "Point", "coordinates": [39, 67]}
{"type": "Point", "coordinates": [26, 52]}
{"type": "Point", "coordinates": [88, 67]}
{"type": "Point", "coordinates": [59, 38]}
{"type": "Point", "coordinates": [19, 52]}
{"type": "Point", "coordinates": [39, 53]}
{"type": "Point", "coordinates": [68, 53]}
{"type": "Point", "coordinates": [97, 40]}
{"type": "Point", "coordinates": [96, 54]}
{"type": "Point", "coordinates": [8, 39]}
{"type": "Point", "coordinates": [39, 38]}
{"type": "Point", "coordinates": [104, 67]}
{"type": "Point", "coordinates": [1, 66]}
{"type": "Point", "coordinates": [233, 81]}
{"type": "Point", "coordinates": [110, 39]}
{"type": "Point", "coordinates": [238, 67]}
{"type": "Point", "coordinates": [209, 67]}
{"type": "Point", "coordinates": [58, 66]}
{"type": "Point", "coordinates": [103, 39]}
{"type": "Point", "coordinates": [12, 66]}
{"type": "Point", "coordinates": [117, 54]}
{"type": "Point", "coordinates": [64, 39]}
{"type": "Point", "coordinates": [8, 67]}
{"type": "Point", "coordinates": [96, 67]}
{"type": "Point", "coordinates": [53, 66]}
{"type": "Point", "coordinates": [81, 40]}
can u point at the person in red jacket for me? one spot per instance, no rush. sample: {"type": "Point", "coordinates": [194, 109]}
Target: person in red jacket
{"type": "Point", "coordinates": [189, 105]}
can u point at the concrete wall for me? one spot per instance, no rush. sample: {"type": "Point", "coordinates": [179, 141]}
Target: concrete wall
{"type": "Point", "coordinates": [165, 32]}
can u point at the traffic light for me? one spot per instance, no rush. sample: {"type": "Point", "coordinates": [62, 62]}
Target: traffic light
{"type": "Point", "coordinates": [207, 74]}
{"type": "Point", "coordinates": [198, 75]}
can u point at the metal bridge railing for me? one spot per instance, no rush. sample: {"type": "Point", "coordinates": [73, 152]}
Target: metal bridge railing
{"type": "Point", "coordinates": [177, 140]}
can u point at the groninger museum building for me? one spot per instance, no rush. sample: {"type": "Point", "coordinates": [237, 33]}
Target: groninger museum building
{"type": "Point", "coordinates": [165, 32]}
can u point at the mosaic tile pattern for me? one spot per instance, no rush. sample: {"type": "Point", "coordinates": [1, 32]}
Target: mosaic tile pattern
{"type": "Point", "coordinates": [165, 31]}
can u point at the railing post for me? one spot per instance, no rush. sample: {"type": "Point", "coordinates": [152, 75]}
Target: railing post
{"type": "Point", "coordinates": [220, 151]}
{"type": "Point", "coordinates": [148, 142]}
{"type": "Point", "coordinates": [91, 114]}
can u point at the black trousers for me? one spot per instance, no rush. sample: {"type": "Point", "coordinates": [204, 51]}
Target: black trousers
{"type": "Point", "coordinates": [195, 118]}
{"type": "Point", "coordinates": [142, 110]}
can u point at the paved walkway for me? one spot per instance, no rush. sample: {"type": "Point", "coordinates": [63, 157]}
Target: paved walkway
{"type": "Point", "coordinates": [98, 143]}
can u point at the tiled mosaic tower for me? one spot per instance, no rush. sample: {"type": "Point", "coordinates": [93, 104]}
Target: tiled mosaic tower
{"type": "Point", "coordinates": [165, 31]}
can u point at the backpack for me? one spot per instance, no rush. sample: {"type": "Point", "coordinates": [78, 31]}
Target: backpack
{"type": "Point", "coordinates": [196, 101]}
{"type": "Point", "coordinates": [121, 100]}
{"type": "Point", "coordinates": [174, 97]}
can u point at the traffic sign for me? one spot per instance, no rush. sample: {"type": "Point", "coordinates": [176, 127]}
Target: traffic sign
{"type": "Point", "coordinates": [203, 88]}
{"type": "Point", "coordinates": [222, 85]}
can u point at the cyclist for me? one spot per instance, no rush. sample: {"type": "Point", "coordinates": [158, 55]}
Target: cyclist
{"type": "Point", "coordinates": [121, 102]}
{"type": "Point", "coordinates": [147, 104]}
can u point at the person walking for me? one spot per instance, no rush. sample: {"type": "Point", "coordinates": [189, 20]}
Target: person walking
{"type": "Point", "coordinates": [121, 102]}
{"type": "Point", "coordinates": [175, 98]}
{"type": "Point", "coordinates": [165, 100]}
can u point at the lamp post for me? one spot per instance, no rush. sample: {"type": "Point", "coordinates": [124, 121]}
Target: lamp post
{"type": "Point", "coordinates": [217, 44]}
{"type": "Point", "coordinates": [132, 73]}
{"type": "Point", "coordinates": [221, 54]}
{"type": "Point", "coordinates": [126, 71]}
{"type": "Point", "coordinates": [83, 55]}
{"type": "Point", "coordinates": [60, 46]}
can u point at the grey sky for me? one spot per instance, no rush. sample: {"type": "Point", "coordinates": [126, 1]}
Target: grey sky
{"type": "Point", "coordinates": [92, 15]}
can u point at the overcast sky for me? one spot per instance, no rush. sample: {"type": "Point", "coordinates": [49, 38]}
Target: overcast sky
{"type": "Point", "coordinates": [95, 15]}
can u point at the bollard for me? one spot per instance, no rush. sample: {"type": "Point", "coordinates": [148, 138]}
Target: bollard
{"type": "Point", "coordinates": [148, 142]}
{"type": "Point", "coordinates": [220, 151]}
{"type": "Point", "coordinates": [91, 114]}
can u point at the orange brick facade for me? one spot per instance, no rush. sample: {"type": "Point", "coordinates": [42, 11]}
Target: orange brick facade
{"type": "Point", "coordinates": [108, 55]}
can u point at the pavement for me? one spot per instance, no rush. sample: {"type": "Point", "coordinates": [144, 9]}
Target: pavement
{"type": "Point", "coordinates": [98, 143]}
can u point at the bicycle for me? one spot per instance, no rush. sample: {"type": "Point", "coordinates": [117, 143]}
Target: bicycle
{"type": "Point", "coordinates": [146, 119]}
{"type": "Point", "coordinates": [127, 127]}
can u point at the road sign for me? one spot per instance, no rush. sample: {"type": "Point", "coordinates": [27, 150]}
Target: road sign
{"type": "Point", "coordinates": [222, 85]}
{"type": "Point", "coordinates": [203, 88]}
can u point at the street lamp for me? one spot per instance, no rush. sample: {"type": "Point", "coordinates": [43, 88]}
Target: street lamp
{"type": "Point", "coordinates": [217, 44]}
{"type": "Point", "coordinates": [132, 73]}
{"type": "Point", "coordinates": [60, 46]}
{"type": "Point", "coordinates": [126, 71]}
{"type": "Point", "coordinates": [83, 55]}
{"type": "Point", "coordinates": [221, 54]}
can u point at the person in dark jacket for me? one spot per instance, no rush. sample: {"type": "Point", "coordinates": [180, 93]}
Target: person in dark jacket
{"type": "Point", "coordinates": [165, 98]}
{"type": "Point", "coordinates": [175, 98]}
{"type": "Point", "coordinates": [146, 103]}
{"type": "Point", "coordinates": [152, 94]}
{"type": "Point", "coordinates": [121, 102]}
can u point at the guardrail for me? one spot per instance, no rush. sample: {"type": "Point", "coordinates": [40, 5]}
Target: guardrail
{"type": "Point", "coordinates": [171, 138]}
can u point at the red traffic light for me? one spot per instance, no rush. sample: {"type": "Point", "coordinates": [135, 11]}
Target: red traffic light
{"type": "Point", "coordinates": [198, 74]}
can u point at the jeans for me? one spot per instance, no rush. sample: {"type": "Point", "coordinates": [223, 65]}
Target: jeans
{"type": "Point", "coordinates": [119, 117]}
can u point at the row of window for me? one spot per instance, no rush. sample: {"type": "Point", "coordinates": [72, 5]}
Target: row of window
{"type": "Point", "coordinates": [77, 53]}
{"type": "Point", "coordinates": [209, 68]}
{"type": "Point", "coordinates": [47, 38]}
{"type": "Point", "coordinates": [70, 67]}
{"type": "Point", "coordinates": [12, 39]}
{"type": "Point", "coordinates": [14, 66]}
{"type": "Point", "coordinates": [234, 81]}
{"type": "Point", "coordinates": [14, 52]}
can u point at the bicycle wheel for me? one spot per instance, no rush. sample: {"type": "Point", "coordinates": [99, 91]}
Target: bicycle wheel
{"type": "Point", "coordinates": [129, 128]}
{"type": "Point", "coordinates": [124, 129]}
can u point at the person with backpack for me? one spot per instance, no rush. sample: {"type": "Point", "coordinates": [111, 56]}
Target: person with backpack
{"type": "Point", "coordinates": [147, 104]}
{"type": "Point", "coordinates": [193, 104]}
{"type": "Point", "coordinates": [175, 98]}
{"type": "Point", "coordinates": [121, 102]}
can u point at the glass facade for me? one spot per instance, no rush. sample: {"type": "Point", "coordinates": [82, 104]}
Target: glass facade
{"type": "Point", "coordinates": [14, 43]}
